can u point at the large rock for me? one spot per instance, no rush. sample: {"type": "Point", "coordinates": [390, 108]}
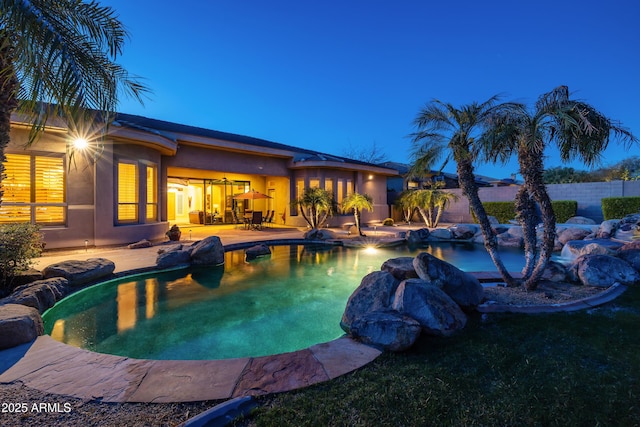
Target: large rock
{"type": "Point", "coordinates": [27, 276]}
{"type": "Point", "coordinates": [554, 272]}
{"type": "Point", "coordinates": [19, 324]}
{"type": "Point", "coordinates": [375, 293]}
{"type": "Point", "coordinates": [607, 228]}
{"type": "Point", "coordinates": [604, 271]}
{"type": "Point", "coordinates": [208, 251]}
{"type": "Point", "coordinates": [626, 232]}
{"type": "Point", "coordinates": [463, 231]}
{"type": "Point", "coordinates": [255, 251]}
{"type": "Point", "coordinates": [574, 249]}
{"type": "Point", "coordinates": [632, 256]}
{"type": "Point", "coordinates": [389, 330]}
{"type": "Point", "coordinates": [580, 220]}
{"type": "Point", "coordinates": [508, 240]}
{"type": "Point", "coordinates": [401, 268]}
{"type": "Point", "coordinates": [80, 273]}
{"type": "Point", "coordinates": [41, 294]}
{"type": "Point", "coordinates": [440, 234]}
{"type": "Point", "coordinates": [173, 257]}
{"type": "Point", "coordinates": [463, 288]}
{"type": "Point", "coordinates": [572, 233]}
{"type": "Point", "coordinates": [320, 234]}
{"type": "Point", "coordinates": [418, 237]}
{"type": "Point", "coordinates": [434, 310]}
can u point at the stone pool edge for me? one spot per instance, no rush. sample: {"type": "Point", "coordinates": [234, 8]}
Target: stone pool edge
{"type": "Point", "coordinates": [53, 367]}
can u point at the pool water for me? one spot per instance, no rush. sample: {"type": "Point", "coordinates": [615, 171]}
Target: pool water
{"type": "Point", "coordinates": [284, 302]}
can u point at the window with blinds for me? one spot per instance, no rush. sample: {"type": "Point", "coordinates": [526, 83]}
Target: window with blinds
{"type": "Point", "coordinates": [34, 190]}
{"type": "Point", "coordinates": [152, 193]}
{"type": "Point", "coordinates": [127, 192]}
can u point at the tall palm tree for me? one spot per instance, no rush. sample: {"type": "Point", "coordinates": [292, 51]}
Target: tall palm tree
{"type": "Point", "coordinates": [57, 58]}
{"type": "Point", "coordinates": [316, 205]}
{"type": "Point", "coordinates": [576, 128]}
{"type": "Point", "coordinates": [357, 202]}
{"type": "Point", "coordinates": [446, 131]}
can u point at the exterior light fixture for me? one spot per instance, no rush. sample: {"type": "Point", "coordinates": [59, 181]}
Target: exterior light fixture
{"type": "Point", "coordinates": [80, 143]}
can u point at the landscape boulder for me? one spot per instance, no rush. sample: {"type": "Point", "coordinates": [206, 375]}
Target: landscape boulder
{"type": "Point", "coordinates": [255, 251]}
{"type": "Point", "coordinates": [463, 231]}
{"type": "Point", "coordinates": [462, 287]}
{"type": "Point", "coordinates": [27, 276]}
{"type": "Point", "coordinates": [574, 249]}
{"type": "Point", "coordinates": [320, 234]}
{"type": "Point", "coordinates": [418, 237]}
{"type": "Point", "coordinates": [572, 233]}
{"type": "Point", "coordinates": [389, 330]}
{"type": "Point", "coordinates": [508, 240]}
{"type": "Point", "coordinates": [607, 228]}
{"type": "Point", "coordinates": [401, 267]}
{"type": "Point", "coordinates": [19, 324]}
{"type": "Point", "coordinates": [580, 220]}
{"type": "Point", "coordinates": [440, 234]}
{"type": "Point", "coordinates": [144, 243]}
{"type": "Point", "coordinates": [41, 294]}
{"type": "Point", "coordinates": [434, 310]}
{"type": "Point", "coordinates": [632, 256]}
{"type": "Point", "coordinates": [375, 293]}
{"type": "Point", "coordinates": [208, 251]}
{"type": "Point", "coordinates": [80, 273]}
{"type": "Point", "coordinates": [603, 271]}
{"type": "Point", "coordinates": [173, 257]}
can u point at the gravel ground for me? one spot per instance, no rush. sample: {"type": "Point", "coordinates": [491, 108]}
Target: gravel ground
{"type": "Point", "coordinates": [23, 406]}
{"type": "Point", "coordinates": [546, 293]}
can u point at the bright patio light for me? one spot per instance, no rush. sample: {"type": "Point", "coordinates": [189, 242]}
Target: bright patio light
{"type": "Point", "coordinates": [80, 143]}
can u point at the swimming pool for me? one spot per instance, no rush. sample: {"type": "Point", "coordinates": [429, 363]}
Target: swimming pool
{"type": "Point", "coordinates": [287, 301]}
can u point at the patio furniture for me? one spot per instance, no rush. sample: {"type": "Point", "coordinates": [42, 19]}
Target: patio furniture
{"type": "Point", "coordinates": [256, 220]}
{"type": "Point", "coordinates": [269, 218]}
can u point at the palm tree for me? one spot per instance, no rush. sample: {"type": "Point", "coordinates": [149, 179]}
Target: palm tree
{"type": "Point", "coordinates": [316, 205]}
{"type": "Point", "coordinates": [430, 202]}
{"type": "Point", "coordinates": [443, 128]}
{"type": "Point", "coordinates": [357, 202]}
{"type": "Point", "coordinates": [57, 59]}
{"type": "Point", "coordinates": [406, 204]}
{"type": "Point", "coordinates": [579, 131]}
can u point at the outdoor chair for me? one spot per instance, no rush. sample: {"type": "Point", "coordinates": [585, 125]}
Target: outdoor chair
{"type": "Point", "coordinates": [237, 220]}
{"type": "Point", "coordinates": [256, 220]}
{"type": "Point", "coordinates": [269, 219]}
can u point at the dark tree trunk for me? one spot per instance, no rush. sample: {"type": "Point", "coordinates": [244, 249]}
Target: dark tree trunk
{"type": "Point", "coordinates": [527, 217]}
{"type": "Point", "coordinates": [531, 168]}
{"type": "Point", "coordinates": [467, 183]}
{"type": "Point", "coordinates": [8, 101]}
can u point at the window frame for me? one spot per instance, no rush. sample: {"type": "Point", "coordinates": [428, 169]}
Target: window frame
{"type": "Point", "coordinates": [34, 206]}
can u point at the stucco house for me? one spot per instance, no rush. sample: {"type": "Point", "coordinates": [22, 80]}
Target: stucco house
{"type": "Point", "coordinates": [149, 174]}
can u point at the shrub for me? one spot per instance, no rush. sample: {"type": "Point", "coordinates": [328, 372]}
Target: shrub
{"type": "Point", "coordinates": [19, 244]}
{"type": "Point", "coordinates": [387, 221]}
{"type": "Point", "coordinates": [619, 207]}
{"type": "Point", "coordinates": [564, 209]}
{"type": "Point", "coordinates": [502, 211]}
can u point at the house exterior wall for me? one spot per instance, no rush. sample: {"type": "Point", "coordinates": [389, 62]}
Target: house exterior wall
{"type": "Point", "coordinates": [91, 186]}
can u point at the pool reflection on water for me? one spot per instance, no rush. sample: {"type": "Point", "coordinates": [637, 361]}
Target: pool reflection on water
{"type": "Point", "coordinates": [284, 302]}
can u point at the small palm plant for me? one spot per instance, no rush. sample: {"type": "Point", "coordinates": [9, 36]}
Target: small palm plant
{"type": "Point", "coordinates": [316, 205]}
{"type": "Point", "coordinates": [357, 202]}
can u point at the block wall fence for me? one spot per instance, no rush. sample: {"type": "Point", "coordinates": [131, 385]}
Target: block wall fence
{"type": "Point", "coordinates": [588, 195]}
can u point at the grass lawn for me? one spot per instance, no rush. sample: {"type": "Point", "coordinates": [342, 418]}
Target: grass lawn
{"type": "Point", "coordinates": [568, 369]}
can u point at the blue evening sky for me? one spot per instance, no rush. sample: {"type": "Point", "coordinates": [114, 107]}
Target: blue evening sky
{"type": "Point", "coordinates": [331, 75]}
